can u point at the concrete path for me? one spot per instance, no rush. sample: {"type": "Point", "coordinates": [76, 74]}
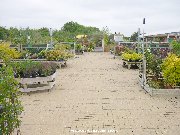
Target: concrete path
{"type": "Point", "coordinates": [96, 95]}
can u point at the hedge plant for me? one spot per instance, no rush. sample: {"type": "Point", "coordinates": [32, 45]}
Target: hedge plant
{"type": "Point", "coordinates": [10, 104]}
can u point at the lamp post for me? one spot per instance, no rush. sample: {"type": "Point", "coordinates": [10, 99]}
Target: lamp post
{"type": "Point", "coordinates": [139, 33]}
{"type": "Point", "coordinates": [144, 61]}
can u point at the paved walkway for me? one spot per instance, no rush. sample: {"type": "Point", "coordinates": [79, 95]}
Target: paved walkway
{"type": "Point", "coordinates": [96, 95]}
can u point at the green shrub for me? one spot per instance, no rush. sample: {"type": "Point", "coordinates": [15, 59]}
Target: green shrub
{"type": "Point", "coordinates": [176, 47]}
{"type": "Point", "coordinates": [62, 47]}
{"type": "Point", "coordinates": [78, 47]}
{"type": "Point", "coordinates": [9, 101]}
{"type": "Point", "coordinates": [171, 70]}
{"type": "Point", "coordinates": [7, 53]}
{"type": "Point", "coordinates": [42, 54]}
{"type": "Point", "coordinates": [29, 69]}
{"type": "Point", "coordinates": [153, 65]}
{"type": "Point", "coordinates": [57, 55]}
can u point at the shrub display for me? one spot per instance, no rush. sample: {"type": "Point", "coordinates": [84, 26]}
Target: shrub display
{"type": "Point", "coordinates": [30, 69]}
{"type": "Point", "coordinates": [171, 70]}
{"type": "Point", "coordinates": [8, 53]}
{"type": "Point", "coordinates": [57, 55]}
{"type": "Point", "coordinates": [10, 105]}
{"type": "Point", "coordinates": [132, 57]}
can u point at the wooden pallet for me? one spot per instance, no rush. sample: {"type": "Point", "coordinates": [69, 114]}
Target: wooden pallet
{"type": "Point", "coordinates": [36, 84]}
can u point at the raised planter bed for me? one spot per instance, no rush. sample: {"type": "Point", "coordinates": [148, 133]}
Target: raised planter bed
{"type": "Point", "coordinates": [153, 91]}
{"type": "Point", "coordinates": [130, 63]}
{"type": "Point", "coordinates": [36, 84]}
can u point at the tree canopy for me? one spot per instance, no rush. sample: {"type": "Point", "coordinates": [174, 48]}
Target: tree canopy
{"type": "Point", "coordinates": [41, 36]}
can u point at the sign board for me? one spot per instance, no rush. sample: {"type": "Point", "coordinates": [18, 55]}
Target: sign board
{"type": "Point", "coordinates": [118, 38]}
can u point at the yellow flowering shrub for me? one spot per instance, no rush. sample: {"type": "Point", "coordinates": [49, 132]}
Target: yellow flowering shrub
{"type": "Point", "coordinates": [171, 70]}
{"type": "Point", "coordinates": [7, 52]}
{"type": "Point", "coordinates": [132, 57]}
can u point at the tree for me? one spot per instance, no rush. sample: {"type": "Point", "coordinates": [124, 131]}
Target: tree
{"type": "Point", "coordinates": [134, 37]}
{"type": "Point", "coordinates": [41, 36]}
{"type": "Point", "coordinates": [3, 33]}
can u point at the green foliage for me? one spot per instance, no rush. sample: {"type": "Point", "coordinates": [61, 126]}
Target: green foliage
{"type": "Point", "coordinates": [7, 53]}
{"type": "Point", "coordinates": [41, 36]}
{"type": "Point", "coordinates": [62, 47]}
{"type": "Point", "coordinates": [9, 100]}
{"type": "Point", "coordinates": [90, 47]}
{"type": "Point", "coordinates": [176, 47]}
{"type": "Point", "coordinates": [42, 54]}
{"type": "Point", "coordinates": [134, 37]}
{"type": "Point", "coordinates": [57, 55]}
{"type": "Point", "coordinates": [127, 50]}
{"type": "Point", "coordinates": [171, 70]}
{"type": "Point", "coordinates": [96, 38]}
{"type": "Point", "coordinates": [44, 32]}
{"type": "Point", "coordinates": [106, 39]}
{"type": "Point", "coordinates": [77, 29]}
{"type": "Point", "coordinates": [153, 65]}
{"type": "Point", "coordinates": [29, 69]}
{"type": "Point", "coordinates": [154, 84]}
{"type": "Point", "coordinates": [3, 33]}
{"type": "Point", "coordinates": [25, 68]}
{"type": "Point", "coordinates": [78, 47]}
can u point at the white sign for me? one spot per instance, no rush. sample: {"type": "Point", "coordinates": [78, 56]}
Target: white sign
{"type": "Point", "coordinates": [118, 38]}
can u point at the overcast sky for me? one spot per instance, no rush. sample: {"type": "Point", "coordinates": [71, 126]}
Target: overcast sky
{"type": "Point", "coordinates": [124, 16]}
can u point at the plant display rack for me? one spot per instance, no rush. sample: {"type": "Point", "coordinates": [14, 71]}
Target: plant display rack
{"type": "Point", "coordinates": [129, 64]}
{"type": "Point", "coordinates": [36, 84]}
